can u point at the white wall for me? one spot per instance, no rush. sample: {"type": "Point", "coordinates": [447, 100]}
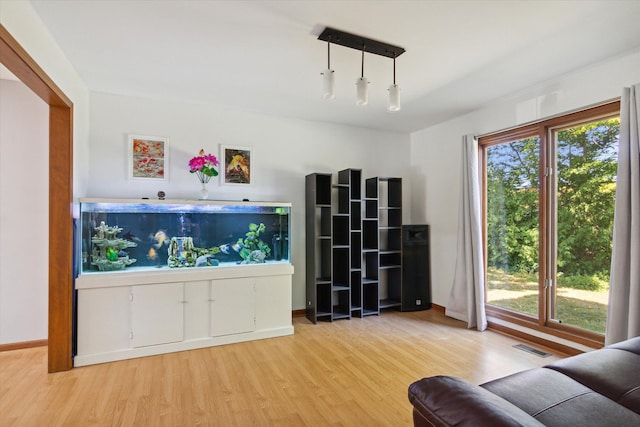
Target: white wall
{"type": "Point", "coordinates": [20, 20]}
{"type": "Point", "coordinates": [24, 195]}
{"type": "Point", "coordinates": [284, 151]}
{"type": "Point", "coordinates": [436, 151]}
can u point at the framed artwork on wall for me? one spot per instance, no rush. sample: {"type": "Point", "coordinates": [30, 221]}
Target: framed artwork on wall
{"type": "Point", "coordinates": [148, 157]}
{"type": "Point", "coordinates": [236, 165]}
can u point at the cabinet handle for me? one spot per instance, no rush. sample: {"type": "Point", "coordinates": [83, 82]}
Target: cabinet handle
{"type": "Point", "coordinates": [212, 300]}
{"type": "Point", "coordinates": [184, 302]}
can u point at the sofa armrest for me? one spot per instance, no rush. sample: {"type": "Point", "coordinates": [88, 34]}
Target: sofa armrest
{"type": "Point", "coordinates": [447, 401]}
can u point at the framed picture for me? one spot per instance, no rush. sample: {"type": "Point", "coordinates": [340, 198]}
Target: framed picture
{"type": "Point", "coordinates": [148, 157]}
{"type": "Point", "coordinates": [236, 165]}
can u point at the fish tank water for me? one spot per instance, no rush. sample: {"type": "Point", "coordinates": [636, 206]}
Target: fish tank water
{"type": "Point", "coordinates": [123, 234]}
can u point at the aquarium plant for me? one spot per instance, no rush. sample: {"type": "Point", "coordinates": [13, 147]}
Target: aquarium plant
{"type": "Point", "coordinates": [254, 250]}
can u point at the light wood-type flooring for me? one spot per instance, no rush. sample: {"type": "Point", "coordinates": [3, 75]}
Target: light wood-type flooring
{"type": "Point", "coordinates": [345, 373]}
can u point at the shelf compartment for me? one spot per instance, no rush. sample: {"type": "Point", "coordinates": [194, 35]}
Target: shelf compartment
{"type": "Point", "coordinates": [370, 300]}
{"type": "Point", "coordinates": [394, 192]}
{"type": "Point", "coordinates": [390, 217]}
{"type": "Point", "coordinates": [356, 216]}
{"type": "Point", "coordinates": [356, 289]}
{"type": "Point", "coordinates": [323, 219]}
{"type": "Point", "coordinates": [371, 208]}
{"type": "Point", "coordinates": [370, 313]}
{"type": "Point", "coordinates": [323, 258]}
{"type": "Point", "coordinates": [389, 303]}
{"type": "Point", "coordinates": [323, 189]}
{"type": "Point", "coordinates": [390, 259]}
{"type": "Point", "coordinates": [341, 230]}
{"type": "Point", "coordinates": [371, 188]}
{"type": "Point", "coordinates": [390, 239]}
{"type": "Point", "coordinates": [324, 299]}
{"type": "Point", "coordinates": [370, 235]}
{"type": "Point", "coordinates": [341, 305]}
{"type": "Point", "coordinates": [343, 198]}
{"type": "Point", "coordinates": [371, 265]}
{"type": "Point", "coordinates": [340, 315]}
{"type": "Point", "coordinates": [341, 268]}
{"type": "Point", "coordinates": [353, 177]}
{"type": "Point", "coordinates": [356, 250]}
{"type": "Point", "coordinates": [390, 286]}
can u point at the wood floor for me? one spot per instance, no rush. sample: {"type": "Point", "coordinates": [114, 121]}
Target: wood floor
{"type": "Point", "coordinates": [345, 373]}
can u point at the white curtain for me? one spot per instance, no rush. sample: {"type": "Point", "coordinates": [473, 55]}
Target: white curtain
{"type": "Point", "coordinates": [466, 301]}
{"type": "Point", "coordinates": [623, 318]}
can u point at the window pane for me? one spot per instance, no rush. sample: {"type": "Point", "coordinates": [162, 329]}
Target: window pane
{"type": "Point", "coordinates": [512, 225]}
{"type": "Point", "coordinates": [586, 161]}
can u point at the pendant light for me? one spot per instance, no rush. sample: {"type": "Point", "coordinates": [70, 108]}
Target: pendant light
{"type": "Point", "coordinates": [361, 85]}
{"type": "Point", "coordinates": [375, 47]}
{"type": "Point", "coordinates": [328, 82]}
{"type": "Point", "coordinates": [394, 91]}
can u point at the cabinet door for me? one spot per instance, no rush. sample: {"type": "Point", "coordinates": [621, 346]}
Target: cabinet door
{"type": "Point", "coordinates": [233, 306]}
{"type": "Point", "coordinates": [104, 320]}
{"type": "Point", "coordinates": [196, 309]}
{"type": "Point", "coordinates": [157, 314]}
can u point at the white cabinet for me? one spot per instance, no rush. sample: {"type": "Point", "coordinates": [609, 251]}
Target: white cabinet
{"type": "Point", "coordinates": [122, 315]}
{"type": "Point", "coordinates": [157, 314]}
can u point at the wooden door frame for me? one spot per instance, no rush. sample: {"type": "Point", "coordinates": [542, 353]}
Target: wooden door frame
{"type": "Point", "coordinates": [20, 63]}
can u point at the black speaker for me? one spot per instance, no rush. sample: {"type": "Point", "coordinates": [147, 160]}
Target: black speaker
{"type": "Point", "coordinates": [416, 270]}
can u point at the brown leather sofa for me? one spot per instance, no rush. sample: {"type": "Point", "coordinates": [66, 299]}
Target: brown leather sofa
{"type": "Point", "coordinates": [598, 388]}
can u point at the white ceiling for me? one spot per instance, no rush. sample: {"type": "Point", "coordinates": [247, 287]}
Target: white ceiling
{"type": "Point", "coordinates": [264, 56]}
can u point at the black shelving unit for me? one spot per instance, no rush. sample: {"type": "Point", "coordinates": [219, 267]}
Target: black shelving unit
{"type": "Point", "coordinates": [350, 204]}
{"type": "Point", "coordinates": [319, 224]}
{"type": "Point", "coordinates": [382, 234]}
{"type": "Point", "coordinates": [370, 247]}
{"type": "Point", "coordinates": [354, 245]}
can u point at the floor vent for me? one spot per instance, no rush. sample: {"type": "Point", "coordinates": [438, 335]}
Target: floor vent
{"type": "Point", "coordinates": [532, 350]}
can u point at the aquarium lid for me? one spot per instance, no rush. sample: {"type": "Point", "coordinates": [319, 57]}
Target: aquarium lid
{"type": "Point", "coordinates": [181, 206]}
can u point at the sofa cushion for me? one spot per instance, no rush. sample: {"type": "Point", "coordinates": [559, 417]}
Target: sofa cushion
{"type": "Point", "coordinates": [557, 400]}
{"type": "Point", "coordinates": [632, 345]}
{"type": "Point", "coordinates": [472, 406]}
{"type": "Point", "coordinates": [612, 371]}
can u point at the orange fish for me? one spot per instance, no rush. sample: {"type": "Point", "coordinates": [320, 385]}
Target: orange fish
{"type": "Point", "coordinates": [152, 254]}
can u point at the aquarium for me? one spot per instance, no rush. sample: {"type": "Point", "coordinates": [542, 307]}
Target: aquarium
{"type": "Point", "coordinates": [121, 234]}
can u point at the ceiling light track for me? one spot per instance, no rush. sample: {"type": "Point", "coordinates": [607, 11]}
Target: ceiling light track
{"type": "Point", "coordinates": [356, 42]}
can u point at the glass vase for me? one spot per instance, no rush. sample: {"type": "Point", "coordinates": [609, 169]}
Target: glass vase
{"type": "Point", "coordinates": [204, 193]}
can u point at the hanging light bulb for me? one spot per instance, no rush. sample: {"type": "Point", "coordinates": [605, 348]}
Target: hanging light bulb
{"type": "Point", "coordinates": [328, 82]}
{"type": "Point", "coordinates": [394, 91]}
{"type": "Point", "coordinates": [362, 83]}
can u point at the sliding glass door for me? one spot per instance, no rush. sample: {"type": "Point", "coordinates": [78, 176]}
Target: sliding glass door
{"type": "Point", "coordinates": [549, 194]}
{"type": "Point", "coordinates": [586, 159]}
{"type": "Point", "coordinates": [512, 224]}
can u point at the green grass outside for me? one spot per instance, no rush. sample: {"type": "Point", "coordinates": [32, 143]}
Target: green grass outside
{"type": "Point", "coordinates": [584, 309]}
